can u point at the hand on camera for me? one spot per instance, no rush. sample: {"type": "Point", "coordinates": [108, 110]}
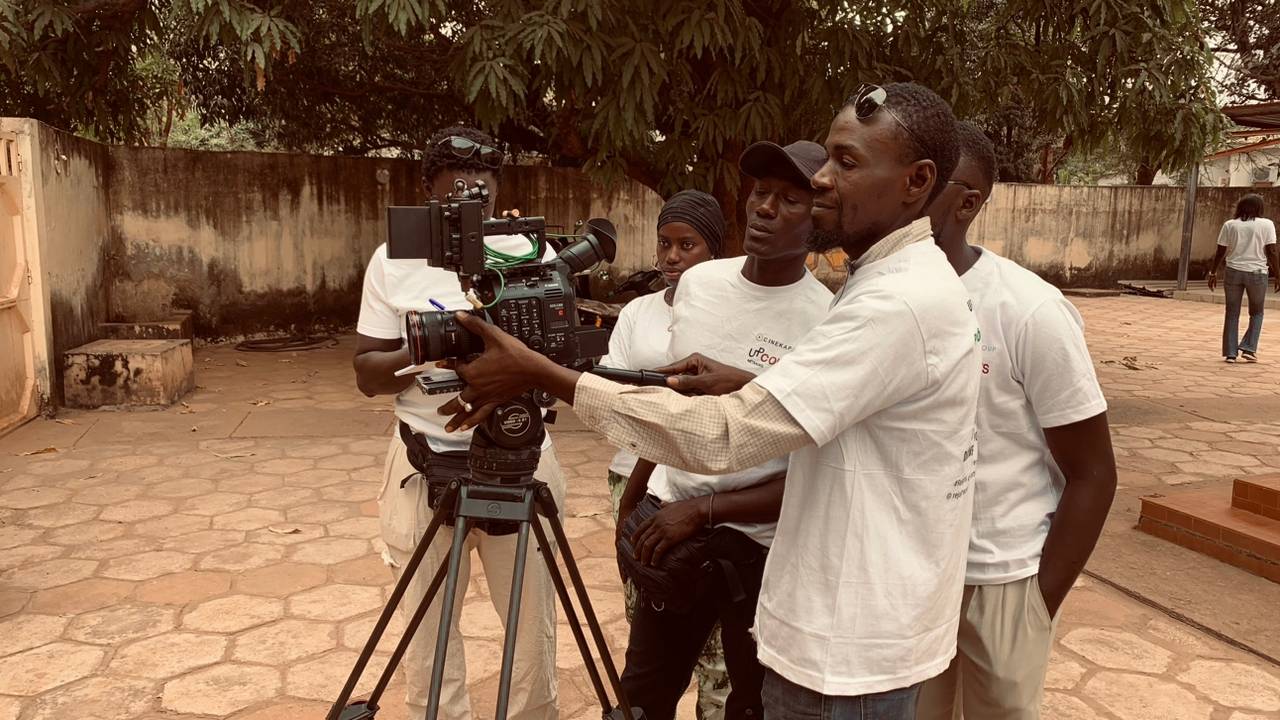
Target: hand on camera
{"type": "Point", "coordinates": [492, 377]}
{"type": "Point", "coordinates": [698, 375]}
{"type": "Point", "coordinates": [673, 524]}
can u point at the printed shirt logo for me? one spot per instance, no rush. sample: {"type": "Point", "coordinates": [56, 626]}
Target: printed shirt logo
{"type": "Point", "coordinates": [768, 352]}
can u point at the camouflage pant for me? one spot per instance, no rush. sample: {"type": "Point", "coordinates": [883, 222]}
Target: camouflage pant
{"type": "Point", "coordinates": [710, 672]}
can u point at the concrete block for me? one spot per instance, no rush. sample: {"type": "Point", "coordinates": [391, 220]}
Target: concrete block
{"type": "Point", "coordinates": [177, 327]}
{"type": "Point", "coordinates": [128, 372]}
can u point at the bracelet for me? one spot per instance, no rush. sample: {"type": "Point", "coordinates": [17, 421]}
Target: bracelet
{"type": "Point", "coordinates": [711, 502]}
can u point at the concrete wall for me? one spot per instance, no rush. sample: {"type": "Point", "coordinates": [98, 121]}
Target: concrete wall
{"type": "Point", "coordinates": [67, 228]}
{"type": "Point", "coordinates": [248, 241]}
{"type": "Point", "coordinates": [1084, 236]}
{"type": "Point", "coordinates": [75, 228]}
{"type": "Point", "coordinates": [260, 241]}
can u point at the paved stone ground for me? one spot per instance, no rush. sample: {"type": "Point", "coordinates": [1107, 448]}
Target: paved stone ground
{"type": "Point", "coordinates": [220, 558]}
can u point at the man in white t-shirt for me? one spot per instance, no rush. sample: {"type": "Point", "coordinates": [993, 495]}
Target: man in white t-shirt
{"type": "Point", "coordinates": [747, 312]}
{"type": "Point", "coordinates": [1046, 473]}
{"type": "Point", "coordinates": [876, 405]}
{"type": "Point", "coordinates": [391, 289]}
{"type": "Point", "coordinates": [1248, 244]}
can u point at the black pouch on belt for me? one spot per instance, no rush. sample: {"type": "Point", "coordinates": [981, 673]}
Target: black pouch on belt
{"type": "Point", "coordinates": [437, 470]}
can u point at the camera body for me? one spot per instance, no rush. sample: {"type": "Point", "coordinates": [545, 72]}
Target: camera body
{"type": "Point", "coordinates": [534, 302]}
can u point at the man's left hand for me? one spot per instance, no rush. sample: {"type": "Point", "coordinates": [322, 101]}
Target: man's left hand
{"type": "Point", "coordinates": [501, 372]}
{"type": "Point", "coordinates": [1278, 283]}
{"type": "Point", "coordinates": [670, 526]}
{"type": "Point", "coordinates": [1053, 596]}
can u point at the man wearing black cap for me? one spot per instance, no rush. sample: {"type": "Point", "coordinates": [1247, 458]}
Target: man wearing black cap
{"type": "Point", "coordinates": [747, 312]}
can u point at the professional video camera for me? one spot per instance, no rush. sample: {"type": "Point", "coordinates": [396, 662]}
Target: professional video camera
{"type": "Point", "coordinates": [535, 302]}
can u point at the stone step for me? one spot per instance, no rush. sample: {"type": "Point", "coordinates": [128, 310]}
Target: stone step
{"type": "Point", "coordinates": [1207, 522]}
{"type": "Point", "coordinates": [1259, 495]}
{"type": "Point", "coordinates": [177, 327]}
{"type": "Point", "coordinates": [128, 373]}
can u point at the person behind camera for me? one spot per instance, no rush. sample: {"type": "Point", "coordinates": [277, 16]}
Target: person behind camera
{"type": "Point", "coordinates": [747, 312]}
{"type": "Point", "coordinates": [423, 458]}
{"type": "Point", "coordinates": [876, 405]}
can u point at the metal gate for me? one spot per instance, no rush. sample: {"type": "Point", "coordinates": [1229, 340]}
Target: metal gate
{"type": "Point", "coordinates": [17, 359]}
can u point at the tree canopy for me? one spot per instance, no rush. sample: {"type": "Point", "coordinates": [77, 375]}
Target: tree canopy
{"type": "Point", "coordinates": [667, 92]}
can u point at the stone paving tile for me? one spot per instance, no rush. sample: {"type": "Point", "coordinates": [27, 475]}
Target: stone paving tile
{"type": "Point", "coordinates": [189, 578]}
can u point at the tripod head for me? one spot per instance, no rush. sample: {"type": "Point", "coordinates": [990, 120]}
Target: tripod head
{"type": "Point", "coordinates": [505, 447]}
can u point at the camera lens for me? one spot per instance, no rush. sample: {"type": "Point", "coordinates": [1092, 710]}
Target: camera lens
{"type": "Point", "coordinates": [437, 335]}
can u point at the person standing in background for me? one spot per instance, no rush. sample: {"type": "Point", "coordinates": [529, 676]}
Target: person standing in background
{"type": "Point", "coordinates": [690, 231]}
{"type": "Point", "coordinates": [1248, 243]}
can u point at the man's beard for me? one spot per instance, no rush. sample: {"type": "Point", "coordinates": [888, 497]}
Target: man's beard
{"type": "Point", "coordinates": [824, 240]}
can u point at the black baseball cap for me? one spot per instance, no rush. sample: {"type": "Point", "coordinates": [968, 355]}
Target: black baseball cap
{"type": "Point", "coordinates": [797, 162]}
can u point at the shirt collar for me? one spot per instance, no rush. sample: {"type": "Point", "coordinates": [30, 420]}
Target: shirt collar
{"type": "Point", "coordinates": [921, 229]}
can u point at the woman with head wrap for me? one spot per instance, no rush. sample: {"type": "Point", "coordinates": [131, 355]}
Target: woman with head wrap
{"type": "Point", "coordinates": [690, 230]}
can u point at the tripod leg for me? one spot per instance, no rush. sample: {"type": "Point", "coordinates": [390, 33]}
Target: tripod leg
{"type": "Point", "coordinates": [446, 615]}
{"type": "Point", "coordinates": [397, 593]}
{"type": "Point", "coordinates": [571, 615]}
{"type": "Point", "coordinates": [409, 631]}
{"type": "Point", "coordinates": [513, 617]}
{"type": "Point", "coordinates": [549, 509]}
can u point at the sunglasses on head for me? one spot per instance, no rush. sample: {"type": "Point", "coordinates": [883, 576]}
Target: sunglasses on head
{"type": "Point", "coordinates": [870, 98]}
{"type": "Point", "coordinates": [465, 148]}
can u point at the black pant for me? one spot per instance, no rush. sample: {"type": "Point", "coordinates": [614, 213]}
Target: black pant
{"type": "Point", "coordinates": [664, 646]}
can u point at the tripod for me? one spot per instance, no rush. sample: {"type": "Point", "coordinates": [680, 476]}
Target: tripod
{"type": "Point", "coordinates": [504, 455]}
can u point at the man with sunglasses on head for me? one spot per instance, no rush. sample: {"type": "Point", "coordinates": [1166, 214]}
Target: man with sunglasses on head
{"type": "Point", "coordinates": [423, 457]}
{"type": "Point", "coordinates": [1046, 473]}
{"type": "Point", "coordinates": [861, 594]}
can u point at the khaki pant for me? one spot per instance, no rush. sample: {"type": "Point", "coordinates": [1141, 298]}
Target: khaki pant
{"type": "Point", "coordinates": [404, 515]}
{"type": "Point", "coordinates": [1002, 653]}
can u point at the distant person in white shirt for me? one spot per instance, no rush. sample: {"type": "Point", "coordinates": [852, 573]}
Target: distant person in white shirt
{"type": "Point", "coordinates": [1046, 473]}
{"type": "Point", "coordinates": [1248, 242]}
{"type": "Point", "coordinates": [748, 312]}
{"type": "Point", "coordinates": [860, 602]}
{"type": "Point", "coordinates": [690, 231]}
{"type": "Point", "coordinates": [422, 456]}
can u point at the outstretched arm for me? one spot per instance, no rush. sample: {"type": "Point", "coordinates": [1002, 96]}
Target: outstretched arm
{"type": "Point", "coordinates": [703, 434]}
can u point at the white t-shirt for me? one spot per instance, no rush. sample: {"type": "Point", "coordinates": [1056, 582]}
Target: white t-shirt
{"type": "Point", "coordinates": [863, 583]}
{"type": "Point", "coordinates": [732, 320]}
{"type": "Point", "coordinates": [639, 342]}
{"type": "Point", "coordinates": [1036, 373]}
{"type": "Point", "coordinates": [1245, 240]}
{"type": "Point", "coordinates": [393, 288]}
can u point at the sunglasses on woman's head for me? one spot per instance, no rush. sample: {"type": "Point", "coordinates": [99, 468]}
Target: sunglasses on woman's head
{"type": "Point", "coordinates": [870, 98]}
{"type": "Point", "coordinates": [465, 148]}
